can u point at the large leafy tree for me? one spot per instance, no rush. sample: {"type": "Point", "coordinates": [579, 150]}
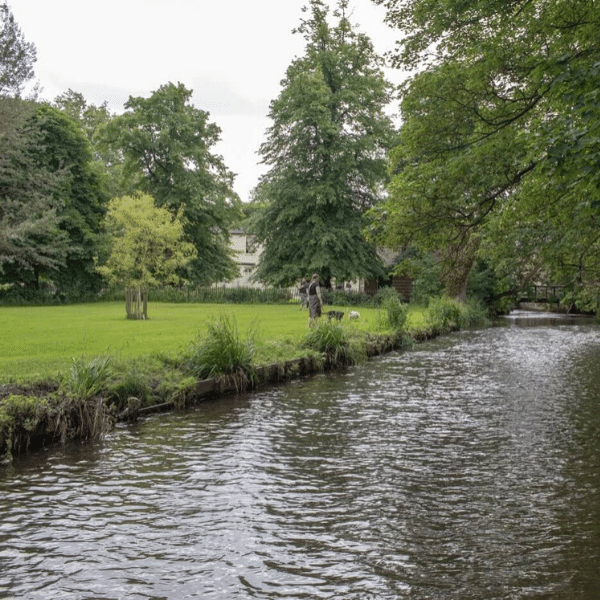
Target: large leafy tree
{"type": "Point", "coordinates": [326, 152]}
{"type": "Point", "coordinates": [167, 148]}
{"type": "Point", "coordinates": [63, 149]}
{"type": "Point", "coordinates": [501, 130]}
{"type": "Point", "coordinates": [94, 120]}
{"type": "Point", "coordinates": [31, 241]}
{"type": "Point", "coordinates": [16, 55]}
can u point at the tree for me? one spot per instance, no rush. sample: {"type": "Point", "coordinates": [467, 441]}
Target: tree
{"type": "Point", "coordinates": [501, 122]}
{"type": "Point", "coordinates": [94, 120]}
{"type": "Point", "coordinates": [326, 153]}
{"type": "Point", "coordinates": [146, 249]}
{"type": "Point", "coordinates": [16, 55]}
{"type": "Point", "coordinates": [166, 145]}
{"type": "Point", "coordinates": [31, 241]}
{"type": "Point", "coordinates": [81, 192]}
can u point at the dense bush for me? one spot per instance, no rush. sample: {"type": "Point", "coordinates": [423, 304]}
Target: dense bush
{"type": "Point", "coordinates": [342, 298]}
{"type": "Point", "coordinates": [222, 295]}
{"type": "Point", "coordinates": [445, 314]}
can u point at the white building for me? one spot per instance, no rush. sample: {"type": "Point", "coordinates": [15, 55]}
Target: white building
{"type": "Point", "coordinates": [248, 251]}
{"type": "Point", "coordinates": [247, 254]}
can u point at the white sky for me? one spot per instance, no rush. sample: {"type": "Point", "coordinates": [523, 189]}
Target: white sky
{"type": "Point", "coordinates": [232, 53]}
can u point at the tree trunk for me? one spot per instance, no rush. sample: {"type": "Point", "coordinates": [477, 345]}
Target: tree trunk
{"type": "Point", "coordinates": [136, 303]}
{"type": "Point", "coordinates": [459, 261]}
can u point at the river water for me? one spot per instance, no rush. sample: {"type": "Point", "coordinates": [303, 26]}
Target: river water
{"type": "Point", "coordinates": [466, 468]}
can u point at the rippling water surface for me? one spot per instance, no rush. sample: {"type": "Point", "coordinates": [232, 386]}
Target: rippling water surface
{"type": "Point", "coordinates": [467, 468]}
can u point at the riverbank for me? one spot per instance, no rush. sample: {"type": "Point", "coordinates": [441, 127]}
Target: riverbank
{"type": "Point", "coordinates": [85, 401]}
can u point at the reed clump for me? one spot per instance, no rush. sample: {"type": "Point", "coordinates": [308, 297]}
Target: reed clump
{"type": "Point", "coordinates": [339, 344]}
{"type": "Point", "coordinates": [223, 353]}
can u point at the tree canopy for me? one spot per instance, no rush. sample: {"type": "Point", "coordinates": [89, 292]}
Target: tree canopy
{"type": "Point", "coordinates": [146, 243]}
{"type": "Point", "coordinates": [146, 246]}
{"type": "Point", "coordinates": [500, 144]}
{"type": "Point", "coordinates": [326, 152]}
{"type": "Point", "coordinates": [166, 144]}
{"type": "Point", "coordinates": [31, 240]}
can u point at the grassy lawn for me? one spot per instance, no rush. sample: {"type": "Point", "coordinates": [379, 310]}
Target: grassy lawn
{"type": "Point", "coordinates": [36, 342]}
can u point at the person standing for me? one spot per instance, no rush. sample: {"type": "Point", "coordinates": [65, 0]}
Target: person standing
{"type": "Point", "coordinates": [315, 298]}
{"type": "Point", "coordinates": [302, 290]}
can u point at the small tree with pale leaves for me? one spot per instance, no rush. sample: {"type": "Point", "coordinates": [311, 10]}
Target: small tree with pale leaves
{"type": "Point", "coordinates": [146, 248]}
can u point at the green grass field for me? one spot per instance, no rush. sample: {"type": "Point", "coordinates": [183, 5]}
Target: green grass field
{"type": "Point", "coordinates": [36, 342]}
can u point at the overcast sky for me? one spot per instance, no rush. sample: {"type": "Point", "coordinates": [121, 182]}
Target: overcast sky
{"type": "Point", "coordinates": [232, 53]}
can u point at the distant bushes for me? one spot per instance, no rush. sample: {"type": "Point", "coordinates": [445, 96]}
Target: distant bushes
{"type": "Point", "coordinates": [223, 295]}
{"type": "Point", "coordinates": [446, 314]}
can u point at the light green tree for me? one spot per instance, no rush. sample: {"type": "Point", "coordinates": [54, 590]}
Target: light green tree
{"type": "Point", "coordinates": [147, 248]}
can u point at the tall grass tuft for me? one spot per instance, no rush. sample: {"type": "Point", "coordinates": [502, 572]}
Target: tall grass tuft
{"type": "Point", "coordinates": [336, 342]}
{"type": "Point", "coordinates": [82, 413]}
{"type": "Point", "coordinates": [132, 382]}
{"type": "Point", "coordinates": [222, 352]}
{"type": "Point", "coordinates": [86, 379]}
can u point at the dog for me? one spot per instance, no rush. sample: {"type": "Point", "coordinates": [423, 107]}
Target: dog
{"type": "Point", "coordinates": [335, 314]}
{"type": "Point", "coordinates": [354, 314]}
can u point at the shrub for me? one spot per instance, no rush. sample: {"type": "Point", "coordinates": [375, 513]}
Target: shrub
{"type": "Point", "coordinates": [222, 352]}
{"type": "Point", "coordinates": [133, 383]}
{"type": "Point", "coordinates": [443, 313]}
{"type": "Point", "coordinates": [393, 313]}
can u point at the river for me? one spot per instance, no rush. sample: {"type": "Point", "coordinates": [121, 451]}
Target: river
{"type": "Point", "coordinates": [465, 468]}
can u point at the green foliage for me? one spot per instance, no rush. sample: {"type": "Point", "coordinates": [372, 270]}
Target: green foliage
{"type": "Point", "coordinates": [86, 379]}
{"type": "Point", "coordinates": [146, 245]}
{"type": "Point", "coordinates": [336, 341]}
{"type": "Point", "coordinates": [16, 55]}
{"type": "Point", "coordinates": [343, 298]}
{"type": "Point", "coordinates": [446, 314]}
{"type": "Point", "coordinates": [166, 144]}
{"type": "Point", "coordinates": [326, 156]}
{"type": "Point", "coordinates": [31, 241]}
{"type": "Point", "coordinates": [81, 195]}
{"type": "Point", "coordinates": [499, 152]}
{"type": "Point", "coordinates": [133, 382]}
{"type": "Point", "coordinates": [443, 314]}
{"type": "Point", "coordinates": [20, 417]}
{"type": "Point", "coordinates": [222, 351]}
{"type": "Point", "coordinates": [223, 295]}
{"type": "Point", "coordinates": [393, 311]}
{"type": "Point", "coordinates": [94, 120]}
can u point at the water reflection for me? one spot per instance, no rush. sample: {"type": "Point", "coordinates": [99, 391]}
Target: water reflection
{"type": "Point", "coordinates": [467, 468]}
